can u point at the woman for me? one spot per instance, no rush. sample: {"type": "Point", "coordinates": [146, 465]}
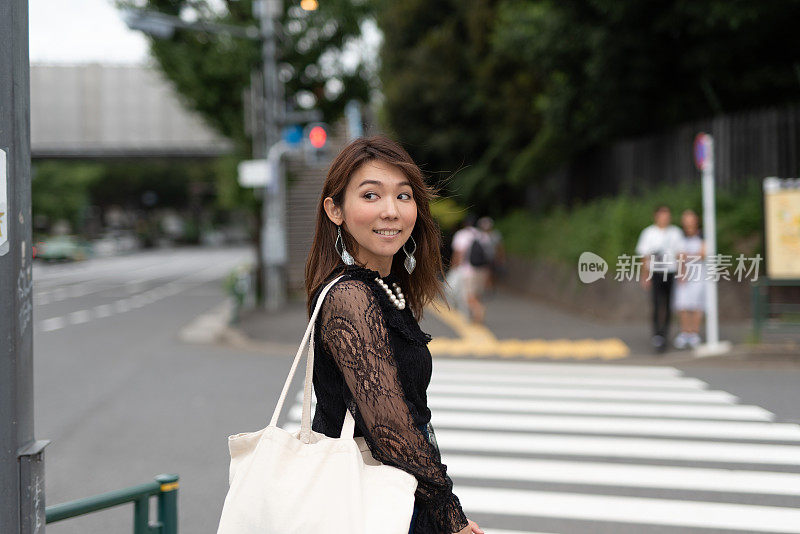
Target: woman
{"type": "Point", "coordinates": [690, 291]}
{"type": "Point", "coordinates": [371, 356]}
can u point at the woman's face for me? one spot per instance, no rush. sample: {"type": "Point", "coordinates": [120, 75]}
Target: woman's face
{"type": "Point", "coordinates": [690, 223]}
{"type": "Point", "coordinates": [378, 197]}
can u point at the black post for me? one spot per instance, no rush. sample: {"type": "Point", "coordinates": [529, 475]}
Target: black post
{"type": "Point", "coordinates": [22, 504]}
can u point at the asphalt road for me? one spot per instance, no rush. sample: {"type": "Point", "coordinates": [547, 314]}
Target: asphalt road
{"type": "Point", "coordinates": [532, 447]}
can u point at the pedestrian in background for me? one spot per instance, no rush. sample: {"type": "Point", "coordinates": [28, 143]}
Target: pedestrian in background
{"type": "Point", "coordinates": [690, 288]}
{"type": "Point", "coordinates": [659, 245]}
{"type": "Point", "coordinates": [497, 256]}
{"type": "Point", "coordinates": [471, 255]}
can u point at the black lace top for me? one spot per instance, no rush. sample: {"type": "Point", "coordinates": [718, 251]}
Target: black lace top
{"type": "Point", "coordinates": [374, 359]}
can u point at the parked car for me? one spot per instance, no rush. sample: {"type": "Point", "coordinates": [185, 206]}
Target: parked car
{"type": "Point", "coordinates": [62, 248]}
{"type": "Point", "coordinates": [114, 243]}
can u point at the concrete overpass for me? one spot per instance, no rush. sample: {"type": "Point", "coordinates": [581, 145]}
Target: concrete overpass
{"type": "Point", "coordinates": [107, 111]}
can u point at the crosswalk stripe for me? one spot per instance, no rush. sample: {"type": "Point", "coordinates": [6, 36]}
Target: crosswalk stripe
{"type": "Point", "coordinates": [576, 445]}
{"type": "Point", "coordinates": [691, 411]}
{"type": "Point", "coordinates": [627, 382]}
{"type": "Point", "coordinates": [677, 513]}
{"type": "Point", "coordinates": [614, 474]}
{"type": "Point", "coordinates": [572, 369]}
{"type": "Point", "coordinates": [698, 396]}
{"type": "Point", "coordinates": [514, 423]}
{"type": "Point", "coordinates": [613, 447]}
{"type": "Point", "coordinates": [618, 425]}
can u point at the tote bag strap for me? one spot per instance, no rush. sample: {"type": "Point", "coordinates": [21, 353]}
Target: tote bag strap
{"type": "Point", "coordinates": [305, 424]}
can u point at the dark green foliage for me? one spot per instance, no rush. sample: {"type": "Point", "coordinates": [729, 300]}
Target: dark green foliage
{"type": "Point", "coordinates": [65, 190]}
{"type": "Point", "coordinates": [511, 90]}
{"type": "Point", "coordinates": [60, 191]}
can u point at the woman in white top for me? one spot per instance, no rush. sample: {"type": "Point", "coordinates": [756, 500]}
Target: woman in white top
{"type": "Point", "coordinates": [690, 291]}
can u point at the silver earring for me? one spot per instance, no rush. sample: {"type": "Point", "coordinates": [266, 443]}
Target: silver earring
{"type": "Point", "coordinates": [410, 262]}
{"type": "Point", "coordinates": [346, 257]}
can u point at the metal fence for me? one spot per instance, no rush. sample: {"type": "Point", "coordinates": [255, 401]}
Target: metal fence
{"type": "Point", "coordinates": [164, 488]}
{"type": "Point", "coordinates": [747, 145]}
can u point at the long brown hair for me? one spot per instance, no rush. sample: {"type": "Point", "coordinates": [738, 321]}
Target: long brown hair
{"type": "Point", "coordinates": [424, 284]}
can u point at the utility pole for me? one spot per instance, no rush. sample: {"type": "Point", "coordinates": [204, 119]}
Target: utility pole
{"type": "Point", "coordinates": [22, 504]}
{"type": "Point", "coordinates": [272, 255]}
{"type": "Point", "coordinates": [273, 232]}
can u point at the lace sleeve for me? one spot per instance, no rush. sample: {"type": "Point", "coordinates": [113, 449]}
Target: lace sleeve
{"type": "Point", "coordinates": [354, 333]}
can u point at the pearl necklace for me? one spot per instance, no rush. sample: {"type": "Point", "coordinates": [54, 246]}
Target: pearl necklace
{"type": "Point", "coordinates": [399, 301]}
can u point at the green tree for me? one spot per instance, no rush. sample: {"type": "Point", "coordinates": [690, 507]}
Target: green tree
{"type": "Point", "coordinates": [212, 72]}
{"type": "Point", "coordinates": [512, 90]}
{"type": "Point", "coordinates": [60, 191]}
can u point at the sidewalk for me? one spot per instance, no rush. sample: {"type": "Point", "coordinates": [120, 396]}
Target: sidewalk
{"type": "Point", "coordinates": [516, 327]}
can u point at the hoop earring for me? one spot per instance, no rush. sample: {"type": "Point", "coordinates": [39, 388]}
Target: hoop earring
{"type": "Point", "coordinates": [346, 257]}
{"type": "Point", "coordinates": [410, 262]}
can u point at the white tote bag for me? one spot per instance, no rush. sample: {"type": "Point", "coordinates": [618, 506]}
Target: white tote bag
{"type": "Point", "coordinates": [306, 482]}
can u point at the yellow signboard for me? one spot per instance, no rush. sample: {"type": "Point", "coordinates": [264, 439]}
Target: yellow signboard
{"type": "Point", "coordinates": [782, 227]}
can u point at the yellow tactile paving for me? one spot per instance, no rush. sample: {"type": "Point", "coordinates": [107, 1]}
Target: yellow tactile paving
{"type": "Point", "coordinates": [478, 341]}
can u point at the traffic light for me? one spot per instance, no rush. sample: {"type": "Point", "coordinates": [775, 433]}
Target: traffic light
{"type": "Point", "coordinates": [316, 143]}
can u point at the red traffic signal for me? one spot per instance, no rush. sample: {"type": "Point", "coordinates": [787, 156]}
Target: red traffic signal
{"type": "Point", "coordinates": [317, 136]}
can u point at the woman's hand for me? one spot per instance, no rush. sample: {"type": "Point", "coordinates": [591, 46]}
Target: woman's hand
{"type": "Point", "coordinates": [471, 528]}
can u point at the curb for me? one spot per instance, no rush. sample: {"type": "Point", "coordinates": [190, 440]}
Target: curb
{"type": "Point", "coordinates": [209, 327]}
{"type": "Point", "coordinates": [214, 328]}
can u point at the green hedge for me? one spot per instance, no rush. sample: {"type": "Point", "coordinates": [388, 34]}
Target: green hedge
{"type": "Point", "coordinates": [611, 226]}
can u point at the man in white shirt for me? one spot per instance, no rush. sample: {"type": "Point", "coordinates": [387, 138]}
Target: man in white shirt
{"type": "Point", "coordinates": [659, 244]}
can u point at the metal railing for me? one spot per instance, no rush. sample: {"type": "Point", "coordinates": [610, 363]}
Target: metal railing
{"type": "Point", "coordinates": [774, 316]}
{"type": "Point", "coordinates": [165, 487]}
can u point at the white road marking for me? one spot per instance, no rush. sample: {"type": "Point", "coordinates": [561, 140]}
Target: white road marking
{"type": "Point", "coordinates": [618, 425]}
{"type": "Point", "coordinates": [54, 323]}
{"type": "Point", "coordinates": [613, 381]}
{"type": "Point", "coordinates": [165, 263]}
{"type": "Point", "coordinates": [693, 396]}
{"type": "Point", "coordinates": [690, 411]}
{"type": "Point", "coordinates": [614, 447]}
{"type": "Point", "coordinates": [80, 317]}
{"type": "Point", "coordinates": [572, 369]}
{"type": "Point", "coordinates": [103, 310]}
{"type": "Point", "coordinates": [485, 411]}
{"type": "Point", "coordinates": [677, 513]}
{"type": "Point", "coordinates": [614, 474]}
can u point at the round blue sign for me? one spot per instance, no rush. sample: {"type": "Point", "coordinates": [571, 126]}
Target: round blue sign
{"type": "Point", "coordinates": [702, 150]}
{"type": "Point", "coordinates": [293, 134]}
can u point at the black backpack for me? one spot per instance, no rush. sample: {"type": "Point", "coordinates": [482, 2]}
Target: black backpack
{"type": "Point", "coordinates": [477, 254]}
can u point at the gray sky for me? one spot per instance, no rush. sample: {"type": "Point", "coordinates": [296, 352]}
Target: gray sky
{"type": "Point", "coordinates": [82, 31]}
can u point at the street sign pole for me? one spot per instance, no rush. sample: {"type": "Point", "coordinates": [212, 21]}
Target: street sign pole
{"type": "Point", "coordinates": [22, 503]}
{"type": "Point", "coordinates": [704, 158]}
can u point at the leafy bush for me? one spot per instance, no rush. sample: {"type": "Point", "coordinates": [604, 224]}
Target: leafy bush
{"type": "Point", "coordinates": [610, 226]}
